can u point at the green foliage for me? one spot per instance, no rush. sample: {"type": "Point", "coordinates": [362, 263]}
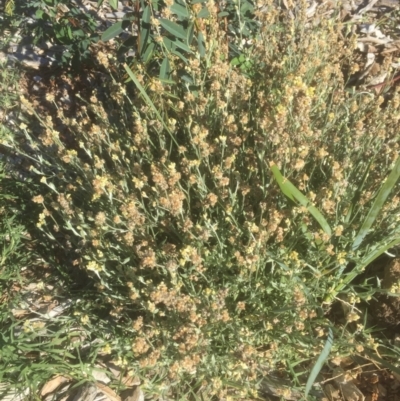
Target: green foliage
{"type": "Point", "coordinates": [59, 22]}
{"type": "Point", "coordinates": [295, 195]}
{"type": "Point", "coordinates": [186, 261]}
{"type": "Point", "coordinates": [183, 27]}
{"type": "Point", "coordinates": [319, 363]}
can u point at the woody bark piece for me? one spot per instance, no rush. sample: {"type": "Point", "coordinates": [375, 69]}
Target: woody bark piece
{"type": "Point", "coordinates": [345, 383]}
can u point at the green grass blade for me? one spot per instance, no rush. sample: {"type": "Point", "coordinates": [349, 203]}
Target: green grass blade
{"type": "Point", "coordinates": [360, 267]}
{"type": "Point", "coordinates": [148, 100]}
{"type": "Point", "coordinates": [320, 362]}
{"type": "Point", "coordinates": [295, 195]}
{"type": "Point", "coordinates": [357, 194]}
{"type": "Point", "coordinates": [378, 204]}
{"type": "Point", "coordinates": [386, 364]}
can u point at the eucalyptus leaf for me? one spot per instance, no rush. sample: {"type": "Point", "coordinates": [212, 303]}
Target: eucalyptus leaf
{"type": "Point", "coordinates": [181, 45]}
{"type": "Point", "coordinates": [173, 28]}
{"type": "Point", "coordinates": [180, 11]}
{"type": "Point", "coordinates": [167, 43]}
{"type": "Point", "coordinates": [145, 30]}
{"type": "Point", "coordinates": [148, 53]}
{"type": "Point", "coordinates": [203, 13]}
{"type": "Point", "coordinates": [180, 55]}
{"type": "Point", "coordinates": [165, 70]}
{"type": "Point", "coordinates": [112, 31]}
{"type": "Point", "coordinates": [190, 32]}
{"type": "Point", "coordinates": [201, 44]}
{"type": "Point", "coordinates": [113, 4]}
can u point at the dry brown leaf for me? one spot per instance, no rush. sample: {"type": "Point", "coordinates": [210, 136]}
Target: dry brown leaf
{"type": "Point", "coordinates": [18, 313]}
{"type": "Point", "coordinates": [130, 381]}
{"type": "Point", "coordinates": [99, 375]}
{"type": "Point", "coordinates": [135, 394]}
{"type": "Point", "coordinates": [111, 394]}
{"type": "Point", "coordinates": [114, 369]}
{"type": "Point", "coordinates": [87, 392]}
{"type": "Point", "coordinates": [53, 384]}
{"type": "Point", "coordinates": [344, 382]}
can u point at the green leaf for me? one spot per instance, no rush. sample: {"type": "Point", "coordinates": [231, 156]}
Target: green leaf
{"type": "Point", "coordinates": [165, 70]}
{"type": "Point", "coordinates": [148, 101]}
{"type": "Point", "coordinates": [39, 14]}
{"type": "Point", "coordinates": [378, 204]}
{"type": "Point", "coordinates": [180, 55]}
{"type": "Point", "coordinates": [367, 260]}
{"type": "Point", "coordinates": [201, 44]}
{"type": "Point", "coordinates": [190, 33]}
{"type": "Point", "coordinates": [145, 29]}
{"type": "Point", "coordinates": [203, 13]}
{"type": "Point", "coordinates": [171, 45]}
{"type": "Point", "coordinates": [148, 53]}
{"type": "Point", "coordinates": [181, 45]}
{"type": "Point", "coordinates": [320, 362]}
{"type": "Point", "coordinates": [179, 10]}
{"type": "Point", "coordinates": [113, 4]}
{"type": "Point", "coordinates": [386, 364]}
{"type": "Point", "coordinates": [112, 31]}
{"type": "Point", "coordinates": [188, 79]}
{"type": "Point", "coordinates": [167, 43]}
{"type": "Point", "coordinates": [358, 192]}
{"type": "Point", "coordinates": [295, 195]}
{"type": "Point", "coordinates": [173, 28]}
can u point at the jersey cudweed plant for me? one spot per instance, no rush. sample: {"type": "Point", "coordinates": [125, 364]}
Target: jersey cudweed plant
{"type": "Point", "coordinates": [219, 213]}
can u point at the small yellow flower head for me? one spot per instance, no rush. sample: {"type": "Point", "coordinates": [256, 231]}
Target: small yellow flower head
{"type": "Point", "coordinates": [38, 199]}
{"type": "Point", "coordinates": [94, 266]}
{"type": "Point", "coordinates": [85, 319]}
{"type": "Point", "coordinates": [106, 349]}
{"type": "Point", "coordinates": [352, 317]}
{"type": "Point", "coordinates": [341, 257]}
{"type": "Point", "coordinates": [338, 230]}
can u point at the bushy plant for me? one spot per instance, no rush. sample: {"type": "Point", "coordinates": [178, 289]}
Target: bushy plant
{"type": "Point", "coordinates": [164, 200]}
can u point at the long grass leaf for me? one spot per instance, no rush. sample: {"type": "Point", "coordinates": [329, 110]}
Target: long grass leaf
{"type": "Point", "coordinates": [320, 362]}
{"type": "Point", "coordinates": [358, 192]}
{"type": "Point", "coordinates": [368, 259]}
{"type": "Point", "coordinates": [386, 364]}
{"type": "Point", "coordinates": [378, 204]}
{"type": "Point", "coordinates": [295, 195]}
{"type": "Point", "coordinates": [148, 100]}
